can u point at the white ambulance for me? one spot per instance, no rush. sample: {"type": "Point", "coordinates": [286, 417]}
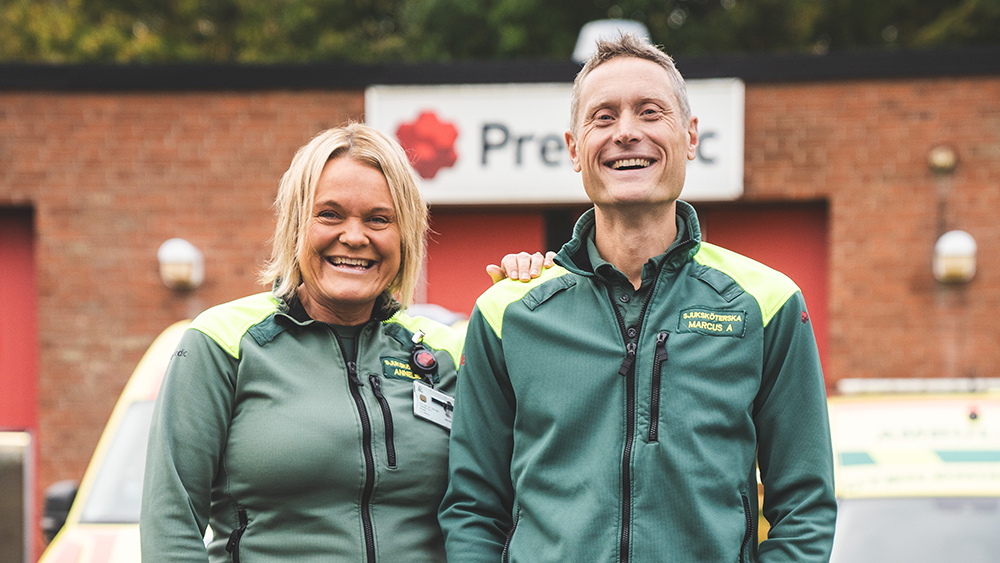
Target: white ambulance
{"type": "Point", "coordinates": [917, 477]}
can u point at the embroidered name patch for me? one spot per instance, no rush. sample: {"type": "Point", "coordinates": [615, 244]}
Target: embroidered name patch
{"type": "Point", "coordinates": [397, 368]}
{"type": "Point", "coordinates": [713, 322]}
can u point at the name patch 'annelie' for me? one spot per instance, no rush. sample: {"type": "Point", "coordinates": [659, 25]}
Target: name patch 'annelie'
{"type": "Point", "coordinates": [713, 322]}
{"type": "Point", "coordinates": [397, 368]}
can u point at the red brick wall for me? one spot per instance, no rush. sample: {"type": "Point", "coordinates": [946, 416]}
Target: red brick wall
{"type": "Point", "coordinates": [863, 146]}
{"type": "Point", "coordinates": [111, 176]}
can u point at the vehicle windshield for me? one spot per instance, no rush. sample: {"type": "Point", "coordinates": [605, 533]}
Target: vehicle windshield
{"type": "Point", "coordinates": [917, 530]}
{"type": "Point", "coordinates": [117, 492]}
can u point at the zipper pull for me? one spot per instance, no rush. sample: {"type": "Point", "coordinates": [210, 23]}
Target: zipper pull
{"type": "Point", "coordinates": [661, 346]}
{"type": "Point", "coordinates": [376, 386]}
{"type": "Point", "coordinates": [352, 374]}
{"type": "Point", "coordinates": [629, 358]}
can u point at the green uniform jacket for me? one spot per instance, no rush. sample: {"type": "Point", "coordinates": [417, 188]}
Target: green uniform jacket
{"type": "Point", "coordinates": [576, 439]}
{"type": "Point", "coordinates": [260, 433]}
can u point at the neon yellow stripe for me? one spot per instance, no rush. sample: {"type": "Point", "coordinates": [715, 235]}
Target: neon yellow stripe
{"type": "Point", "coordinates": [436, 335]}
{"type": "Point", "coordinates": [494, 301]}
{"type": "Point", "coordinates": [769, 287]}
{"type": "Point", "coordinates": [227, 323]}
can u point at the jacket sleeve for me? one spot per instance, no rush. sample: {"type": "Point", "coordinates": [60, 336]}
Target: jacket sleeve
{"type": "Point", "coordinates": [186, 439]}
{"type": "Point", "coordinates": [476, 511]}
{"type": "Point", "coordinates": [794, 450]}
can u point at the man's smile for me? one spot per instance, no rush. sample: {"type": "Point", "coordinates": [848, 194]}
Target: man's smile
{"type": "Point", "coordinates": [630, 163]}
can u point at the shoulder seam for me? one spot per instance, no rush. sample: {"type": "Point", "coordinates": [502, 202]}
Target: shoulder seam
{"type": "Point", "coordinates": [227, 323]}
{"type": "Point", "coordinates": [769, 287]}
{"type": "Point", "coordinates": [493, 303]}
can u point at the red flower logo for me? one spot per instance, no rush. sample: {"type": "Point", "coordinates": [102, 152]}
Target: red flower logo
{"type": "Point", "coordinates": [805, 317]}
{"type": "Point", "coordinates": [429, 142]}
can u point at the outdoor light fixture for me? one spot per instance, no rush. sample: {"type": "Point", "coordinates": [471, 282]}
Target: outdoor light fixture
{"type": "Point", "coordinates": [182, 265]}
{"type": "Point", "coordinates": [942, 159]}
{"type": "Point", "coordinates": [586, 41]}
{"type": "Point", "coordinates": [954, 257]}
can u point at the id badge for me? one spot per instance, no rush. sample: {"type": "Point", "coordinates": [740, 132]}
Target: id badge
{"type": "Point", "coordinates": [433, 405]}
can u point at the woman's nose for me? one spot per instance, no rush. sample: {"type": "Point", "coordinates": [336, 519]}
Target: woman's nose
{"type": "Point", "coordinates": [353, 234]}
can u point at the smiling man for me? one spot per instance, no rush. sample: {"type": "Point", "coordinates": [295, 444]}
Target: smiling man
{"type": "Point", "coordinates": [617, 408]}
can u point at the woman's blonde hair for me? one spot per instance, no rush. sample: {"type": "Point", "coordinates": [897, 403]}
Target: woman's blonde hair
{"type": "Point", "coordinates": [293, 205]}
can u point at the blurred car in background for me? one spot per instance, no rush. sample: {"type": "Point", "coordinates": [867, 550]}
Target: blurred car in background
{"type": "Point", "coordinates": [99, 521]}
{"type": "Point", "coordinates": [917, 477]}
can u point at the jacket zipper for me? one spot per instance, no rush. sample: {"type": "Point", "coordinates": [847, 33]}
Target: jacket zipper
{"type": "Point", "coordinates": [390, 448]}
{"type": "Point", "coordinates": [748, 534]}
{"type": "Point", "coordinates": [366, 448]}
{"type": "Point", "coordinates": [627, 370]}
{"type": "Point", "coordinates": [233, 546]}
{"type": "Point", "coordinates": [654, 400]}
{"type": "Point", "coordinates": [510, 536]}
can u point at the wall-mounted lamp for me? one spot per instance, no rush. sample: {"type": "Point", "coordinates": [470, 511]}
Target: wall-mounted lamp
{"type": "Point", "coordinates": [954, 257]}
{"type": "Point", "coordinates": [942, 159]}
{"type": "Point", "coordinates": [182, 265]}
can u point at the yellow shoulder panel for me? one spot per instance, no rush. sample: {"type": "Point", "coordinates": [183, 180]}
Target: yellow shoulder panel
{"type": "Point", "coordinates": [494, 301]}
{"type": "Point", "coordinates": [227, 323]}
{"type": "Point", "coordinates": [769, 287]}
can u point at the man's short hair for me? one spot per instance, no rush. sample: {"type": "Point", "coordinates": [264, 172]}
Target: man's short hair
{"type": "Point", "coordinates": [629, 45]}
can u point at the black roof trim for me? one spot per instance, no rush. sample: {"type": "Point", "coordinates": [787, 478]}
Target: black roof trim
{"type": "Point", "coordinates": [340, 76]}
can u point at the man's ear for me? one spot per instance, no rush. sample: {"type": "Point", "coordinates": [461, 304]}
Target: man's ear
{"type": "Point", "coordinates": [571, 147]}
{"type": "Point", "coordinates": [692, 132]}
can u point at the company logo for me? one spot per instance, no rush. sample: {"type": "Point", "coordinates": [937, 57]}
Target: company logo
{"type": "Point", "coordinates": [429, 142]}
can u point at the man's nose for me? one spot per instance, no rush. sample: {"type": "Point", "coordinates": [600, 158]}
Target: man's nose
{"type": "Point", "coordinates": [627, 130]}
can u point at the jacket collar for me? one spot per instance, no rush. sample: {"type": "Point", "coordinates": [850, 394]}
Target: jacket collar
{"type": "Point", "coordinates": [573, 255]}
{"type": "Point", "coordinates": [291, 308]}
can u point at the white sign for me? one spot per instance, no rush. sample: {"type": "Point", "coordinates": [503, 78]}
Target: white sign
{"type": "Point", "coordinates": [504, 143]}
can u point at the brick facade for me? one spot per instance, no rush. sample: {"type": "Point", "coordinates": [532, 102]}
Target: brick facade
{"type": "Point", "coordinates": [862, 146]}
{"type": "Point", "coordinates": [112, 175]}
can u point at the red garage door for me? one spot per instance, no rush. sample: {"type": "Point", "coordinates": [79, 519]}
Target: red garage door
{"type": "Point", "coordinates": [462, 243]}
{"type": "Point", "coordinates": [18, 385]}
{"type": "Point", "coordinates": [18, 351]}
{"type": "Point", "coordinates": [791, 238]}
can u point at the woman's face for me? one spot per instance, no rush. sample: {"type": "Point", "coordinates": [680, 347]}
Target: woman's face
{"type": "Point", "coordinates": [351, 251]}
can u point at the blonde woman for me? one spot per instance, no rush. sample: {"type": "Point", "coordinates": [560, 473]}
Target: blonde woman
{"type": "Point", "coordinates": [289, 421]}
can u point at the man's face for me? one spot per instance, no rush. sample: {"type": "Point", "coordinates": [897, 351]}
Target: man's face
{"type": "Point", "coordinates": [632, 143]}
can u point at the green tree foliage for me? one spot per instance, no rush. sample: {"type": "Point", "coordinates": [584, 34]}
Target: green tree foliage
{"type": "Point", "coordinates": [410, 30]}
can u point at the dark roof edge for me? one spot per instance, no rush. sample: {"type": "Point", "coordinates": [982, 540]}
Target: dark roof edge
{"type": "Point", "coordinates": [762, 68]}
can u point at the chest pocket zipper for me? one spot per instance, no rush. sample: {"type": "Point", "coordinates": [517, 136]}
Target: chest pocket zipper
{"type": "Point", "coordinates": [654, 399]}
{"type": "Point", "coordinates": [233, 546]}
{"type": "Point", "coordinates": [383, 403]}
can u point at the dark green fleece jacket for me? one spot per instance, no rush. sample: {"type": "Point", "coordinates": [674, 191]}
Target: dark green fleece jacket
{"type": "Point", "coordinates": [579, 439]}
{"type": "Point", "coordinates": [265, 433]}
